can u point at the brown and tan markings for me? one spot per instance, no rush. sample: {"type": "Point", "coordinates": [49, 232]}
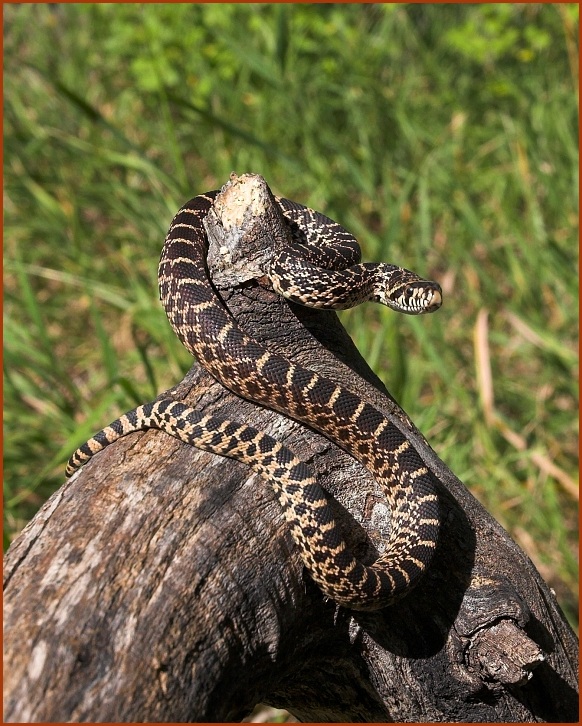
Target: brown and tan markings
{"type": "Point", "coordinates": [321, 269]}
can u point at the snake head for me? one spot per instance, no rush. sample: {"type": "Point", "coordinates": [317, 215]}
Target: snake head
{"type": "Point", "coordinates": [406, 292]}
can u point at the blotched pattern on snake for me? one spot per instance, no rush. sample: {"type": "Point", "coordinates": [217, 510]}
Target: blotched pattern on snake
{"type": "Point", "coordinates": [320, 269]}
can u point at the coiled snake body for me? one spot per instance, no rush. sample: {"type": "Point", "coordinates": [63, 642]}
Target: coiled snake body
{"type": "Point", "coordinates": [250, 370]}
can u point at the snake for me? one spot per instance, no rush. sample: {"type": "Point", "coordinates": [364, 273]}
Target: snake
{"type": "Point", "coordinates": [320, 267]}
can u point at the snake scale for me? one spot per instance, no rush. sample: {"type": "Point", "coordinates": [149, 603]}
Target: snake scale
{"type": "Point", "coordinates": [320, 268]}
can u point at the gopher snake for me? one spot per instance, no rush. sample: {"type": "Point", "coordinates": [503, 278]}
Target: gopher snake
{"type": "Point", "coordinates": [250, 370]}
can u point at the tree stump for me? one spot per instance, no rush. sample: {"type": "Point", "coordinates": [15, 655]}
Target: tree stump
{"type": "Point", "coordinates": [161, 584]}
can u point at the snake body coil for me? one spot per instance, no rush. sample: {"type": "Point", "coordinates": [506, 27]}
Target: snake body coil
{"type": "Point", "coordinates": [304, 273]}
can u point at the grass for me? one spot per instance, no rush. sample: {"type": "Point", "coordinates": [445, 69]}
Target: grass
{"type": "Point", "coordinates": [444, 137]}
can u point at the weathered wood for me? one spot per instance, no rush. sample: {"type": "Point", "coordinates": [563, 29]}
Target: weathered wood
{"type": "Point", "coordinates": [161, 583]}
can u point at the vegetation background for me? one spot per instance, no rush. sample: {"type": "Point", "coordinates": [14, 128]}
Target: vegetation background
{"type": "Point", "coordinates": [443, 136]}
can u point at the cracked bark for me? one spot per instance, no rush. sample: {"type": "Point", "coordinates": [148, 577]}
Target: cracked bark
{"type": "Point", "coordinates": [160, 584]}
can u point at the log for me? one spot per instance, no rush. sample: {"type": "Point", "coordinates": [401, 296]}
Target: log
{"type": "Point", "coordinates": [161, 584]}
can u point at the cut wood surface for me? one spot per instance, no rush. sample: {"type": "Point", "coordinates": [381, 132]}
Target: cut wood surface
{"type": "Point", "coordinates": [161, 584]}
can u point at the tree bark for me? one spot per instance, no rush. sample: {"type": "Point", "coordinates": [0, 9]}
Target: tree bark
{"type": "Point", "coordinates": [160, 584]}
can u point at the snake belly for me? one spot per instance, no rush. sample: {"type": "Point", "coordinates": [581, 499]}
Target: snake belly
{"type": "Point", "coordinates": [250, 370]}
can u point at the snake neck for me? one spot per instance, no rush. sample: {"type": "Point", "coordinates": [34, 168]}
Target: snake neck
{"type": "Point", "coordinates": [304, 283]}
{"type": "Point", "coordinates": [296, 278]}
